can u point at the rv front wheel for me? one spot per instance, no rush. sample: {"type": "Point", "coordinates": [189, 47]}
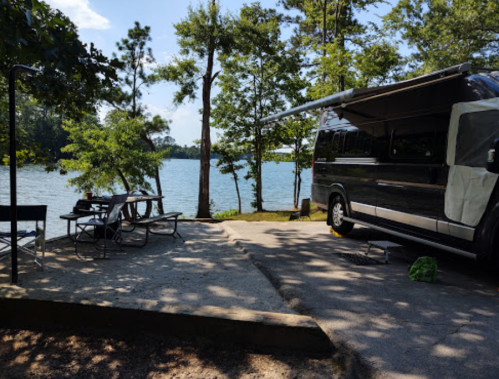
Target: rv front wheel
{"type": "Point", "coordinates": [337, 211]}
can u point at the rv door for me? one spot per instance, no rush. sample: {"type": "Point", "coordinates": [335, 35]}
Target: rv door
{"type": "Point", "coordinates": [473, 127]}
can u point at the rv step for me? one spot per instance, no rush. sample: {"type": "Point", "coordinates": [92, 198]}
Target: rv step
{"type": "Point", "coordinates": [385, 245]}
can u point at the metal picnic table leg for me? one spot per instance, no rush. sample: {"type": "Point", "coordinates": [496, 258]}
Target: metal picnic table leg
{"type": "Point", "coordinates": [174, 234]}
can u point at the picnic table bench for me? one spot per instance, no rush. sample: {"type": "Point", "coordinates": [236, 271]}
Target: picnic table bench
{"type": "Point", "coordinates": [148, 221]}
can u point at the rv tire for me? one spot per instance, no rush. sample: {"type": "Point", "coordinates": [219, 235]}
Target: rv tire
{"type": "Point", "coordinates": [337, 210]}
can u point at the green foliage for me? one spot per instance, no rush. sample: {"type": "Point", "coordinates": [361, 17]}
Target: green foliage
{"type": "Point", "coordinates": [343, 53]}
{"type": "Point", "coordinates": [445, 33]}
{"type": "Point", "coordinates": [203, 32]}
{"type": "Point", "coordinates": [377, 63]}
{"type": "Point", "coordinates": [109, 155]}
{"type": "Point", "coordinates": [39, 131]}
{"type": "Point", "coordinates": [73, 75]}
{"type": "Point", "coordinates": [230, 154]}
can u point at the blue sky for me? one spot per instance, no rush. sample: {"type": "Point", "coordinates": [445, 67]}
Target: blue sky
{"type": "Point", "coordinates": [105, 22]}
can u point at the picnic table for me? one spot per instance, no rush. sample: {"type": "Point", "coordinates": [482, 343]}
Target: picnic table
{"type": "Point", "coordinates": [131, 214]}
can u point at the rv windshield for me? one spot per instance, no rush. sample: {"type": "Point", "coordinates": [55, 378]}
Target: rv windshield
{"type": "Point", "coordinates": [481, 86]}
{"type": "Point", "coordinates": [475, 133]}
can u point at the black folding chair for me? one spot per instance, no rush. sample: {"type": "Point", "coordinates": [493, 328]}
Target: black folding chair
{"type": "Point", "coordinates": [37, 213]}
{"type": "Point", "coordinates": [106, 227]}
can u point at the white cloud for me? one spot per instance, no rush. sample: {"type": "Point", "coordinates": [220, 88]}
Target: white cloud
{"type": "Point", "coordinates": [166, 56]}
{"type": "Point", "coordinates": [149, 65]}
{"type": "Point", "coordinates": [80, 13]}
{"type": "Point", "coordinates": [185, 124]}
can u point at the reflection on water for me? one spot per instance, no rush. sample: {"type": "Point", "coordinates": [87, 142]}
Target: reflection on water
{"type": "Point", "coordinates": [180, 182]}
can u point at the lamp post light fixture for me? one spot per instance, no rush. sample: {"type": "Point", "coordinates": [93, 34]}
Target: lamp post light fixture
{"type": "Point", "coordinates": [13, 162]}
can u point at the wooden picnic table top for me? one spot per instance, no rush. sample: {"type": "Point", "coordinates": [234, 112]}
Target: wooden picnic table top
{"type": "Point", "coordinates": [130, 199]}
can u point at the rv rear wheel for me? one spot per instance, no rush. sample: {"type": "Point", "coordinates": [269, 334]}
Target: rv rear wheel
{"type": "Point", "coordinates": [337, 211]}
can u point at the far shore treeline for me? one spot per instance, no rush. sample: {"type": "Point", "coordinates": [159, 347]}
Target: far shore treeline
{"type": "Point", "coordinates": [330, 47]}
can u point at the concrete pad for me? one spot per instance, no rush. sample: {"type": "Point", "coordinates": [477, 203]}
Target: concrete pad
{"type": "Point", "coordinates": [206, 279]}
{"type": "Point", "coordinates": [400, 328]}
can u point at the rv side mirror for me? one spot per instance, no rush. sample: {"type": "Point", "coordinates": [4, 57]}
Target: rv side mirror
{"type": "Point", "coordinates": [493, 157]}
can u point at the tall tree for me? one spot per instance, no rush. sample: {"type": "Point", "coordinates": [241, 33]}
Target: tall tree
{"type": "Point", "coordinates": [135, 58]}
{"type": "Point", "coordinates": [445, 33]}
{"type": "Point", "coordinates": [253, 84]}
{"type": "Point", "coordinates": [342, 51]}
{"type": "Point", "coordinates": [201, 35]}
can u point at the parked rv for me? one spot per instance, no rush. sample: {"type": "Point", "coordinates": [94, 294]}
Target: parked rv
{"type": "Point", "coordinates": [415, 159]}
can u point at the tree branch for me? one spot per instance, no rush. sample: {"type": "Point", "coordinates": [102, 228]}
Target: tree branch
{"type": "Point", "coordinates": [214, 77]}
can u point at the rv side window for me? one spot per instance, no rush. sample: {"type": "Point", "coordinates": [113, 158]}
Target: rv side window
{"type": "Point", "coordinates": [336, 142]}
{"type": "Point", "coordinates": [409, 143]}
{"type": "Point", "coordinates": [357, 143]}
{"type": "Point", "coordinates": [325, 137]}
{"type": "Point", "coordinates": [323, 146]}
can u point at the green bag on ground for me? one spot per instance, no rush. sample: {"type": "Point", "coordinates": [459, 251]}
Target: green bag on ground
{"type": "Point", "coordinates": [424, 270]}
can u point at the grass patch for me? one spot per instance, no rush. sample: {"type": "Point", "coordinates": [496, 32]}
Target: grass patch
{"type": "Point", "coordinates": [315, 214]}
{"type": "Point", "coordinates": [226, 215]}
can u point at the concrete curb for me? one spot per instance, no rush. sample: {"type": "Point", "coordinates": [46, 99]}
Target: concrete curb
{"type": "Point", "coordinates": [349, 363]}
{"type": "Point", "coordinates": [214, 324]}
{"type": "Point", "coordinates": [294, 302]}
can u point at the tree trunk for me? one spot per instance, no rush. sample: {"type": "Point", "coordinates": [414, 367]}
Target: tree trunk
{"type": "Point", "coordinates": [296, 194]}
{"type": "Point", "coordinates": [341, 42]}
{"type": "Point", "coordinates": [259, 200]}
{"type": "Point", "coordinates": [324, 34]}
{"type": "Point", "coordinates": [298, 189]}
{"type": "Point", "coordinates": [123, 179]}
{"type": "Point", "coordinates": [237, 190]}
{"type": "Point", "coordinates": [159, 190]}
{"type": "Point", "coordinates": [204, 172]}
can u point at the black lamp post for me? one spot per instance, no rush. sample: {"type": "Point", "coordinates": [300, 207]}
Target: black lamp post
{"type": "Point", "coordinates": [13, 162]}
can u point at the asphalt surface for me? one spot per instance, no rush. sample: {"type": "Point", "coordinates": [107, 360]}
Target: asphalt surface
{"type": "Point", "coordinates": [399, 328]}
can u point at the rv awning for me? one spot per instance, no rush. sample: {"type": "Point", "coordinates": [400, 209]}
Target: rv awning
{"type": "Point", "coordinates": [345, 96]}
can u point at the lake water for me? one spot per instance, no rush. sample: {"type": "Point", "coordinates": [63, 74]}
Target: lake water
{"type": "Point", "coordinates": [180, 182]}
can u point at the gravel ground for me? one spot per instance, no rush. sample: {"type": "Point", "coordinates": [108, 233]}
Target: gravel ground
{"type": "Point", "coordinates": [48, 353]}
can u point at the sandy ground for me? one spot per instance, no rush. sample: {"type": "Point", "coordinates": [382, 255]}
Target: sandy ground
{"type": "Point", "coordinates": [62, 354]}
